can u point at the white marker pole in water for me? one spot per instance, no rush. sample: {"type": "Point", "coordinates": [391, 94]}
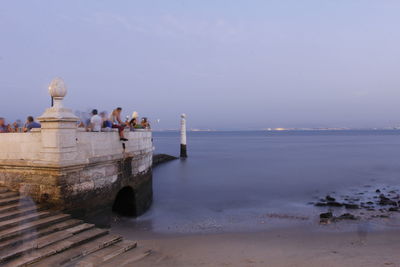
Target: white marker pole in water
{"type": "Point", "coordinates": [183, 136]}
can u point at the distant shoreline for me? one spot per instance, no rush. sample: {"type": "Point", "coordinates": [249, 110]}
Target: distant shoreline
{"type": "Point", "coordinates": [285, 130]}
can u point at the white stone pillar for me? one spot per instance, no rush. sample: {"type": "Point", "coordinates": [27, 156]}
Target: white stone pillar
{"type": "Point", "coordinates": [183, 136]}
{"type": "Point", "coordinates": [59, 127]}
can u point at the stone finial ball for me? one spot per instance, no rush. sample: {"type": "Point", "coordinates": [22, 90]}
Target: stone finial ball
{"type": "Point", "coordinates": [183, 115]}
{"type": "Point", "coordinates": [57, 88]}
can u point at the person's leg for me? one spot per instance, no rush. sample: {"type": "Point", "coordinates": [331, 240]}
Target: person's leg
{"type": "Point", "coordinates": [120, 131]}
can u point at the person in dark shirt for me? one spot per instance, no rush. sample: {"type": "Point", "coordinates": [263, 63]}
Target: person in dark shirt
{"type": "Point", "coordinates": [4, 128]}
{"type": "Point", "coordinates": [30, 124]}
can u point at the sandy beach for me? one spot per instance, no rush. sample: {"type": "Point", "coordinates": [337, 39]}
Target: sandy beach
{"type": "Point", "coordinates": [283, 247]}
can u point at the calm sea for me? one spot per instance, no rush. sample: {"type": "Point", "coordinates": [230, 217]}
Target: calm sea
{"type": "Point", "coordinates": [240, 181]}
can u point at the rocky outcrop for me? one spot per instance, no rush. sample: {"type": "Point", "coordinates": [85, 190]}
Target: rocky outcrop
{"type": "Point", "coordinates": [368, 204]}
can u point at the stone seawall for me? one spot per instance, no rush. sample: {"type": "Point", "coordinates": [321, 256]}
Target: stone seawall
{"type": "Point", "coordinates": [91, 182]}
{"type": "Point", "coordinates": [81, 189]}
{"type": "Point", "coordinates": [67, 168]}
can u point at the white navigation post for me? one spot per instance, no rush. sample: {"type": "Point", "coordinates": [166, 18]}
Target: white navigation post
{"type": "Point", "coordinates": [183, 136]}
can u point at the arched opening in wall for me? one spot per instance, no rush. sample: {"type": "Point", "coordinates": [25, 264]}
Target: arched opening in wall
{"type": "Point", "coordinates": [125, 203]}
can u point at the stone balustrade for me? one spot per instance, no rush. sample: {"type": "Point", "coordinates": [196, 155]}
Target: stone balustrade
{"type": "Point", "coordinates": [26, 148]}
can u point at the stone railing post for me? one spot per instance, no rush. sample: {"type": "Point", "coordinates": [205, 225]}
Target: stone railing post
{"type": "Point", "coordinates": [59, 128]}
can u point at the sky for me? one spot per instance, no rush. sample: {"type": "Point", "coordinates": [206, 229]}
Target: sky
{"type": "Point", "coordinates": [243, 64]}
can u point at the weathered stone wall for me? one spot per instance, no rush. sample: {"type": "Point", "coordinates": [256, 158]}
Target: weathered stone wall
{"type": "Point", "coordinates": [91, 182]}
{"type": "Point", "coordinates": [20, 146]}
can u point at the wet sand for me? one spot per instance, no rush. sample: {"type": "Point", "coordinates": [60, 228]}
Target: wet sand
{"type": "Point", "coordinates": [283, 247]}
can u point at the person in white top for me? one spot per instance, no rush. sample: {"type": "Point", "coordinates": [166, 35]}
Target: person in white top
{"type": "Point", "coordinates": [95, 121]}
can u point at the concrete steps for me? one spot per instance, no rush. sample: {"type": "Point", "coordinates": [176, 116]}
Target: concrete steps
{"type": "Point", "coordinates": [31, 235]}
{"type": "Point", "coordinates": [8, 194]}
{"type": "Point", "coordinates": [32, 226]}
{"type": "Point", "coordinates": [17, 212]}
{"type": "Point", "coordinates": [4, 189]}
{"type": "Point", "coordinates": [107, 254]}
{"type": "Point", "coordinates": [24, 237]}
{"type": "Point", "coordinates": [128, 259]}
{"type": "Point", "coordinates": [11, 200]}
{"type": "Point", "coordinates": [83, 252]}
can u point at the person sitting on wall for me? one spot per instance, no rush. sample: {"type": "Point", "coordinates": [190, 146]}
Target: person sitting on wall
{"type": "Point", "coordinates": [95, 122]}
{"type": "Point", "coordinates": [4, 128]}
{"type": "Point", "coordinates": [107, 125]}
{"type": "Point", "coordinates": [115, 119]}
{"type": "Point", "coordinates": [145, 124]}
{"type": "Point", "coordinates": [30, 124]}
{"type": "Point", "coordinates": [133, 124]}
{"type": "Point", "coordinates": [17, 126]}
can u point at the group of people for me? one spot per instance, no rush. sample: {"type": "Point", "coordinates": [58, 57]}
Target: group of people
{"type": "Point", "coordinates": [100, 122]}
{"type": "Point", "coordinates": [96, 123]}
{"type": "Point", "coordinates": [17, 126]}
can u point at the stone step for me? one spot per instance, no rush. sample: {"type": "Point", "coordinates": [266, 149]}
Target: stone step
{"type": "Point", "coordinates": [3, 189]}
{"type": "Point", "coordinates": [129, 258]}
{"type": "Point", "coordinates": [8, 194]}
{"type": "Point", "coordinates": [11, 207]}
{"type": "Point", "coordinates": [23, 219]}
{"type": "Point", "coordinates": [42, 242]}
{"type": "Point", "coordinates": [11, 200]}
{"type": "Point", "coordinates": [71, 256]}
{"type": "Point", "coordinates": [24, 237]}
{"type": "Point", "coordinates": [18, 212]}
{"type": "Point", "coordinates": [32, 226]}
{"type": "Point", "coordinates": [58, 247]}
{"type": "Point", "coordinates": [106, 254]}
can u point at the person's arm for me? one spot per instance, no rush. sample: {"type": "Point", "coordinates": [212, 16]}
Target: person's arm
{"type": "Point", "coordinates": [27, 128]}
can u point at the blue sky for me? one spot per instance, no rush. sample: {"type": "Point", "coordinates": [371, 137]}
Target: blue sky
{"type": "Point", "coordinates": [227, 64]}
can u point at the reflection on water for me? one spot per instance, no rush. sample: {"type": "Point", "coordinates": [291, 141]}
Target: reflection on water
{"type": "Point", "coordinates": [236, 180]}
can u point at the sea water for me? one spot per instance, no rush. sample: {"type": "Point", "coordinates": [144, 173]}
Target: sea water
{"type": "Point", "coordinates": [251, 180]}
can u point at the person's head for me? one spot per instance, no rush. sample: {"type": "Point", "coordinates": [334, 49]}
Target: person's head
{"type": "Point", "coordinates": [2, 121]}
{"type": "Point", "coordinates": [117, 111]}
{"type": "Point", "coordinates": [17, 123]}
{"type": "Point", "coordinates": [94, 112]}
{"type": "Point", "coordinates": [29, 119]}
{"type": "Point", "coordinates": [144, 120]}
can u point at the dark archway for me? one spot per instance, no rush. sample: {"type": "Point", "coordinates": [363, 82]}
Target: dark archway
{"type": "Point", "coordinates": [125, 202]}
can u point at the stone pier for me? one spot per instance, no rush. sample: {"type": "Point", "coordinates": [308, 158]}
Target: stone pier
{"type": "Point", "coordinates": [66, 168]}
